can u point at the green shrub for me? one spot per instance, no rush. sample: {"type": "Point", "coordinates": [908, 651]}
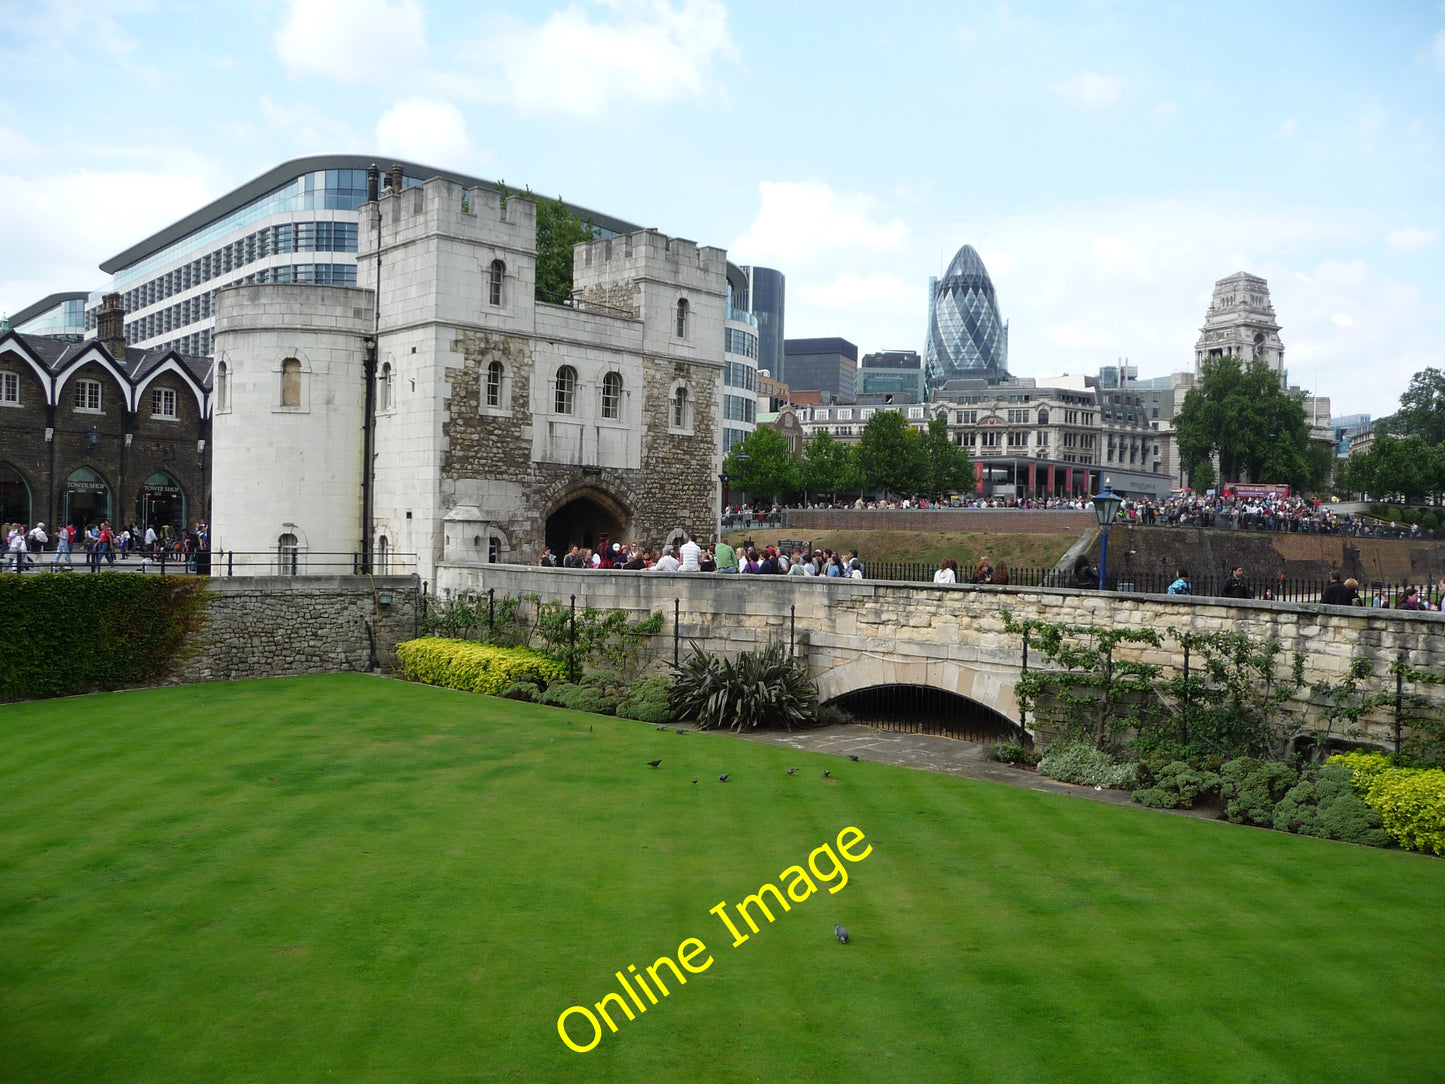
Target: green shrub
{"type": "Point", "coordinates": [1178, 785]}
{"type": "Point", "coordinates": [758, 688]}
{"type": "Point", "coordinates": [1326, 806]}
{"type": "Point", "coordinates": [578, 697]}
{"type": "Point", "coordinates": [1013, 753]}
{"type": "Point", "coordinates": [529, 691]}
{"type": "Point", "coordinates": [1083, 764]}
{"type": "Point", "coordinates": [1411, 804]}
{"type": "Point", "coordinates": [1364, 768]}
{"type": "Point", "coordinates": [833, 715]}
{"type": "Point", "coordinates": [474, 667]}
{"type": "Point", "coordinates": [648, 701]}
{"type": "Point", "coordinates": [76, 634]}
{"type": "Point", "coordinates": [1251, 789]}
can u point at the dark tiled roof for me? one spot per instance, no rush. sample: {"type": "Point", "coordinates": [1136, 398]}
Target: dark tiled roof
{"type": "Point", "coordinates": [57, 354]}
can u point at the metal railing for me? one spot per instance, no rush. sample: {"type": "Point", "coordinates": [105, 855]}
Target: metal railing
{"type": "Point", "coordinates": [224, 563]}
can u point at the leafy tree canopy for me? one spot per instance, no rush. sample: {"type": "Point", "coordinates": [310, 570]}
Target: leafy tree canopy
{"type": "Point", "coordinates": [1240, 414]}
{"type": "Point", "coordinates": [1422, 409]}
{"type": "Point", "coordinates": [891, 455]}
{"type": "Point", "coordinates": [947, 468]}
{"type": "Point", "coordinates": [763, 465]}
{"type": "Point", "coordinates": [829, 466]}
{"type": "Point", "coordinates": [558, 231]}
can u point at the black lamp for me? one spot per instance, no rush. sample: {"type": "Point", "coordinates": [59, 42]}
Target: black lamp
{"type": "Point", "coordinates": [1106, 509]}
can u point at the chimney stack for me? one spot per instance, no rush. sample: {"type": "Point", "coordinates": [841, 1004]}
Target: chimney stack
{"type": "Point", "coordinates": [393, 178]}
{"type": "Point", "coordinates": [373, 183]}
{"type": "Point", "coordinates": [110, 326]}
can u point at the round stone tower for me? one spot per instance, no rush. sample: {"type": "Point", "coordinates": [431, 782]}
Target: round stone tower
{"type": "Point", "coordinates": [290, 391]}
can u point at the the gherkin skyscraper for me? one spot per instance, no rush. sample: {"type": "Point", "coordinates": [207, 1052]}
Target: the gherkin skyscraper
{"type": "Point", "coordinates": [966, 337]}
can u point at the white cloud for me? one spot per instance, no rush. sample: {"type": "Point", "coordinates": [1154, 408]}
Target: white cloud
{"type": "Point", "coordinates": [67, 222]}
{"type": "Point", "coordinates": [1410, 238]}
{"type": "Point", "coordinates": [802, 223]}
{"type": "Point", "coordinates": [1166, 110]}
{"type": "Point", "coordinates": [423, 130]}
{"type": "Point", "coordinates": [1090, 90]}
{"type": "Point", "coordinates": [351, 40]}
{"type": "Point", "coordinates": [1341, 319]}
{"type": "Point", "coordinates": [641, 51]}
{"type": "Point", "coordinates": [15, 144]}
{"type": "Point", "coordinates": [850, 289]}
{"type": "Point", "coordinates": [308, 128]}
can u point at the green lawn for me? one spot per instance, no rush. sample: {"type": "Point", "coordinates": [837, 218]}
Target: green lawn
{"type": "Point", "coordinates": [355, 879]}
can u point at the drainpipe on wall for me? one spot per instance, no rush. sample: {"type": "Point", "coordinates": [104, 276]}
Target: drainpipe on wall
{"type": "Point", "coordinates": [370, 349]}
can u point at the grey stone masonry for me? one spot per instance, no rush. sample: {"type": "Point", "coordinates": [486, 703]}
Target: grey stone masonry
{"type": "Point", "coordinates": [858, 634]}
{"type": "Point", "coordinates": [278, 626]}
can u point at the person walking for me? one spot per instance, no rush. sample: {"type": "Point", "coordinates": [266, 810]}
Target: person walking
{"type": "Point", "coordinates": [1181, 585]}
{"type": "Point", "coordinates": [18, 551]}
{"type": "Point", "coordinates": [64, 538]}
{"type": "Point", "coordinates": [1235, 587]}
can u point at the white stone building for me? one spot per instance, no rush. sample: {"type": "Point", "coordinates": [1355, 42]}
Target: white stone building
{"type": "Point", "coordinates": [497, 423]}
{"type": "Point", "coordinates": [1240, 322]}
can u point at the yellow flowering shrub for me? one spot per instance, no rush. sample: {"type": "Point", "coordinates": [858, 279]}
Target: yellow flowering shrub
{"type": "Point", "coordinates": [1410, 801]}
{"type": "Point", "coordinates": [474, 667]}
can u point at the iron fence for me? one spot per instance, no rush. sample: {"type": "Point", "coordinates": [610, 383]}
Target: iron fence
{"type": "Point", "coordinates": [280, 562]}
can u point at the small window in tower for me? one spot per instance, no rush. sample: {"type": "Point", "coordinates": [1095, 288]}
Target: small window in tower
{"type": "Point", "coordinates": [494, 550]}
{"type": "Point", "coordinates": [681, 408]}
{"type": "Point", "coordinates": [612, 396]}
{"type": "Point", "coordinates": [494, 282]}
{"type": "Point", "coordinates": [494, 384]}
{"type": "Point", "coordinates": [291, 382]}
{"type": "Point", "coordinates": [385, 392]}
{"type": "Point", "coordinates": [682, 318]}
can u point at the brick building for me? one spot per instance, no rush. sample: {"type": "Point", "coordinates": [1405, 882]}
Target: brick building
{"type": "Point", "coordinates": [96, 430]}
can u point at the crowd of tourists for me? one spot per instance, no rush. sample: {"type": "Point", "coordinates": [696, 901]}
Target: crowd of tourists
{"type": "Point", "coordinates": [716, 557]}
{"type": "Point", "coordinates": [100, 545]}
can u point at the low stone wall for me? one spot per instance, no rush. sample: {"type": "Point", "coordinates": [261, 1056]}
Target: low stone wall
{"type": "Point", "coordinates": [277, 626]}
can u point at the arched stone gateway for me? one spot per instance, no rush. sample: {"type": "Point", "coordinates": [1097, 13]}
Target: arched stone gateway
{"type": "Point", "coordinates": [985, 689]}
{"type": "Point", "coordinates": [919, 709]}
{"type": "Point", "coordinates": [582, 516]}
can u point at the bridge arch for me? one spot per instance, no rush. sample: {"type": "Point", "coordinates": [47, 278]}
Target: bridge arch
{"type": "Point", "coordinates": [988, 689]}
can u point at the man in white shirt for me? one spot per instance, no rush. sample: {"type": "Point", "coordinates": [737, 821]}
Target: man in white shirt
{"type": "Point", "coordinates": [689, 553]}
{"type": "Point", "coordinates": [668, 562]}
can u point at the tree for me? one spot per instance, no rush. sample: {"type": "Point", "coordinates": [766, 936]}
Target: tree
{"type": "Point", "coordinates": [763, 465]}
{"type": "Point", "coordinates": [890, 455]}
{"type": "Point", "coordinates": [1240, 415]}
{"type": "Point", "coordinates": [1422, 409]}
{"type": "Point", "coordinates": [948, 468]}
{"type": "Point", "coordinates": [1407, 468]}
{"type": "Point", "coordinates": [558, 231]}
{"type": "Point", "coordinates": [829, 466]}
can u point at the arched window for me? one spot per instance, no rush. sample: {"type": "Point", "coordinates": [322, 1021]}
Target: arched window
{"type": "Point", "coordinates": [223, 386]}
{"type": "Point", "coordinates": [385, 392]}
{"type": "Point", "coordinates": [494, 550]}
{"type": "Point", "coordinates": [682, 318]}
{"type": "Point", "coordinates": [494, 384]}
{"type": "Point", "coordinates": [494, 282]}
{"type": "Point", "coordinates": [161, 503]}
{"type": "Point", "coordinates": [14, 496]}
{"type": "Point", "coordinates": [566, 389]}
{"type": "Point", "coordinates": [383, 556]}
{"type": "Point", "coordinates": [681, 408]}
{"type": "Point", "coordinates": [86, 498]}
{"type": "Point", "coordinates": [291, 382]}
{"type": "Point", "coordinates": [287, 555]}
{"type": "Point", "coordinates": [1043, 416]}
{"type": "Point", "coordinates": [612, 396]}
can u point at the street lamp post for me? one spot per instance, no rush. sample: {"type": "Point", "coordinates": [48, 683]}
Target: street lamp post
{"type": "Point", "coordinates": [1106, 508]}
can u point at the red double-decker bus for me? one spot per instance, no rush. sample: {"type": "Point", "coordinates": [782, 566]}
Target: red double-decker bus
{"type": "Point", "coordinates": [1257, 490]}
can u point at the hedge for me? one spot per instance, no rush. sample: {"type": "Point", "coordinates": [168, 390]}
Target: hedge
{"type": "Point", "coordinates": [1410, 801]}
{"type": "Point", "coordinates": [474, 667]}
{"type": "Point", "coordinates": [68, 634]}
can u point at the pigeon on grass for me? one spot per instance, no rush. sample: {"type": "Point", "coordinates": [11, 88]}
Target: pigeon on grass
{"type": "Point", "coordinates": [826, 773]}
{"type": "Point", "coordinates": [840, 933]}
{"type": "Point", "coordinates": [724, 777]}
{"type": "Point", "coordinates": [853, 758]}
{"type": "Point", "coordinates": [653, 763]}
{"type": "Point", "coordinates": [792, 771]}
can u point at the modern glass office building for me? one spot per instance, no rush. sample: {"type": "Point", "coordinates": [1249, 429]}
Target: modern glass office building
{"type": "Point", "coordinates": [767, 290]}
{"type": "Point", "coordinates": [966, 336]}
{"type": "Point", "coordinates": [60, 316]}
{"type": "Point", "coordinates": [294, 223]}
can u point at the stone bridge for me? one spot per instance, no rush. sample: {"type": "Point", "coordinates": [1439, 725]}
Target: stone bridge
{"type": "Point", "coordinates": [863, 634]}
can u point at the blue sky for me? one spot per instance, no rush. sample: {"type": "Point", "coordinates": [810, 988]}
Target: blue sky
{"type": "Point", "coordinates": [1109, 160]}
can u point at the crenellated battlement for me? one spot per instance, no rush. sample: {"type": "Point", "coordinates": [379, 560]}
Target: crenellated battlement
{"type": "Point", "coordinates": [440, 206]}
{"type": "Point", "coordinates": [652, 256]}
